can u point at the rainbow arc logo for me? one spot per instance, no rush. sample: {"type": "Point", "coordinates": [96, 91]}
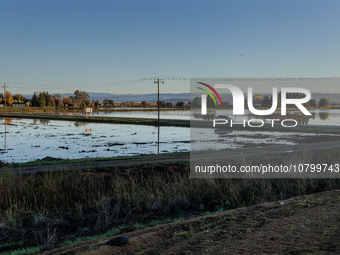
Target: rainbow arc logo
{"type": "Point", "coordinates": [209, 93]}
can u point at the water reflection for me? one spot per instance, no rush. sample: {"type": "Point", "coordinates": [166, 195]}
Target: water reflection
{"type": "Point", "coordinates": [44, 122]}
{"type": "Point", "coordinates": [210, 115]}
{"type": "Point", "coordinates": [5, 134]}
{"type": "Point", "coordinates": [300, 118]}
{"type": "Point", "coordinates": [323, 115]}
{"type": "Point", "coordinates": [222, 131]}
{"type": "Point", "coordinates": [158, 142]}
{"type": "Point", "coordinates": [80, 124]}
{"type": "Point", "coordinates": [8, 121]}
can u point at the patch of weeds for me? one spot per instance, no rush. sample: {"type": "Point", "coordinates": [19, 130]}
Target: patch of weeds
{"type": "Point", "coordinates": [138, 225]}
{"type": "Point", "coordinates": [153, 223]}
{"type": "Point", "coordinates": [180, 233]}
{"type": "Point", "coordinates": [330, 231]}
{"type": "Point", "coordinates": [307, 203]}
{"type": "Point", "coordinates": [28, 251]}
{"type": "Point", "coordinates": [314, 253]}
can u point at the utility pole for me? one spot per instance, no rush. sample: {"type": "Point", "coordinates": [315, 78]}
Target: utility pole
{"type": "Point", "coordinates": [158, 81]}
{"type": "Point", "coordinates": [5, 96]}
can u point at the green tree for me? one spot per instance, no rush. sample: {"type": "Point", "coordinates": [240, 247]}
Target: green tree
{"type": "Point", "coordinates": [42, 99]}
{"type": "Point", "coordinates": [196, 103]}
{"type": "Point", "coordinates": [161, 103]}
{"type": "Point", "coordinates": [324, 103]}
{"type": "Point", "coordinates": [257, 97]}
{"type": "Point", "coordinates": [67, 101]}
{"type": "Point", "coordinates": [180, 103]}
{"type": "Point", "coordinates": [313, 103]}
{"type": "Point", "coordinates": [19, 98]}
{"type": "Point", "coordinates": [144, 104]}
{"type": "Point", "coordinates": [35, 100]}
{"type": "Point", "coordinates": [48, 99]}
{"type": "Point", "coordinates": [266, 101]}
{"type": "Point", "coordinates": [80, 98]}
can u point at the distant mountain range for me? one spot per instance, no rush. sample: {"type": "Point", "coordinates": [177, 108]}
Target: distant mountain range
{"type": "Point", "coordinates": [174, 98]}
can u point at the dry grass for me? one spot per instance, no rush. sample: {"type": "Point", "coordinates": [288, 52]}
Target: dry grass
{"type": "Point", "coordinates": [49, 208]}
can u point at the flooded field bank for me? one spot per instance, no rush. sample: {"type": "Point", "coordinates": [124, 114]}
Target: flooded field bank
{"type": "Point", "coordinates": [23, 140]}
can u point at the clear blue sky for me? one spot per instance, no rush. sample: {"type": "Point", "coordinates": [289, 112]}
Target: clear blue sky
{"type": "Point", "coordinates": [110, 46]}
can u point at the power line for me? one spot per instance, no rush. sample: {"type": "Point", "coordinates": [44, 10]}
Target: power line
{"type": "Point", "coordinates": [37, 85]}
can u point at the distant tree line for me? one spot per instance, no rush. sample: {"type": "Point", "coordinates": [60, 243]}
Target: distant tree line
{"type": "Point", "coordinates": [78, 99]}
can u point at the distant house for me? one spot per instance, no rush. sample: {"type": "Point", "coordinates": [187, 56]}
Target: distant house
{"type": "Point", "coordinates": [18, 105]}
{"type": "Point", "coordinates": [257, 103]}
{"type": "Point", "coordinates": [1, 105]}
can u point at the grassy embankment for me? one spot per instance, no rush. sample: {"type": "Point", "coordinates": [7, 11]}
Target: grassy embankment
{"type": "Point", "coordinates": [113, 120]}
{"type": "Point", "coordinates": [57, 161]}
{"type": "Point", "coordinates": [57, 208]}
{"type": "Point", "coordinates": [71, 110]}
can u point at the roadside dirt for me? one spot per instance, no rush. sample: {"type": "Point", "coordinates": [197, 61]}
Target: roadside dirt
{"type": "Point", "coordinates": [300, 225]}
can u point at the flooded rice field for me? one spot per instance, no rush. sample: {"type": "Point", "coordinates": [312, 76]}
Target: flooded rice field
{"type": "Point", "coordinates": [23, 140]}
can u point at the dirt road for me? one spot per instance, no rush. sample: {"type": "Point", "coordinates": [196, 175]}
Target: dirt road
{"type": "Point", "coordinates": [301, 225]}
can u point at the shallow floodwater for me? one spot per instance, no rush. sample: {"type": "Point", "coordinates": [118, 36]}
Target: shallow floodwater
{"type": "Point", "coordinates": [217, 139]}
{"type": "Point", "coordinates": [25, 140]}
{"type": "Point", "coordinates": [318, 117]}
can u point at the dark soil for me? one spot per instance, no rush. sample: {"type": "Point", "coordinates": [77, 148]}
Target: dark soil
{"type": "Point", "coordinates": [301, 225]}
